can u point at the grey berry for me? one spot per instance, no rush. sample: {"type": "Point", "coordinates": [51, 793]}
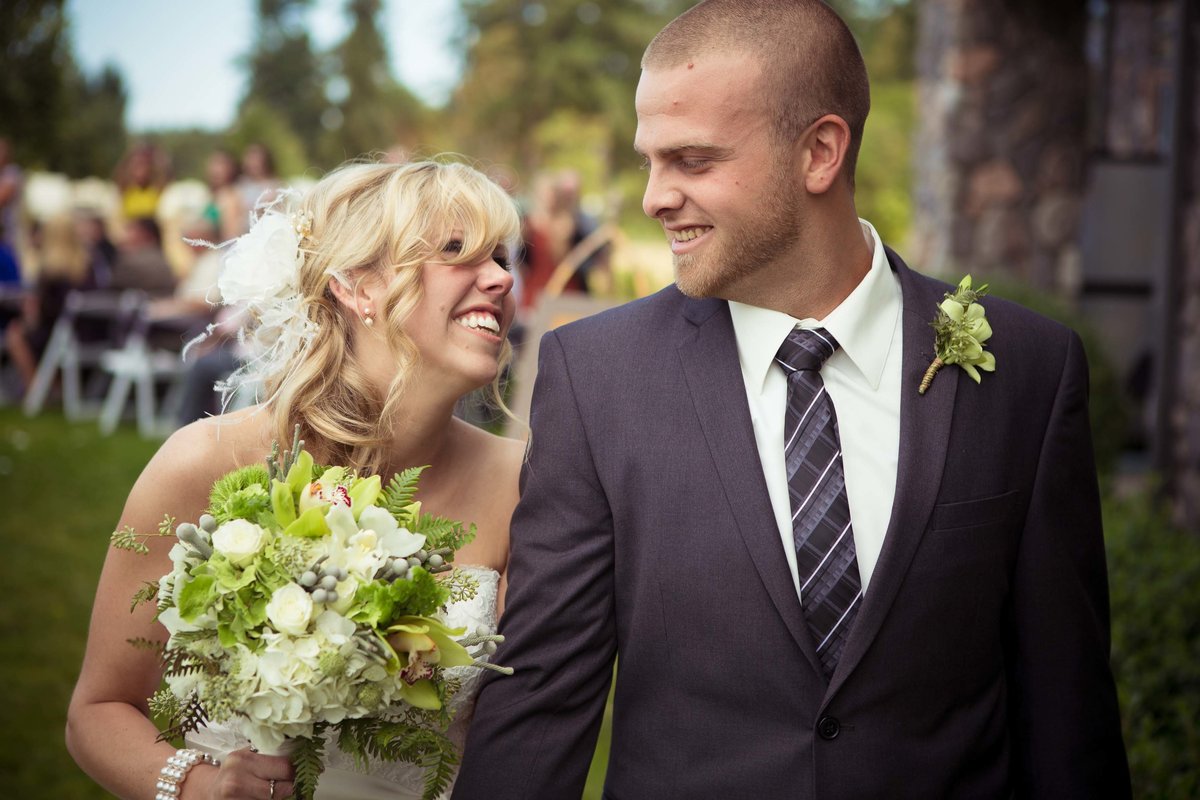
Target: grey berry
{"type": "Point", "coordinates": [436, 561]}
{"type": "Point", "coordinates": [329, 583]}
{"type": "Point", "coordinates": [308, 579]}
{"type": "Point", "coordinates": [320, 596]}
{"type": "Point", "coordinates": [208, 522]}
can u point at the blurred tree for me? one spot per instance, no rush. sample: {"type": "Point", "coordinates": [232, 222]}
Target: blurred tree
{"type": "Point", "coordinates": [370, 110]}
{"type": "Point", "coordinates": [94, 139]}
{"type": "Point", "coordinates": [189, 149]}
{"type": "Point", "coordinates": [287, 78]}
{"type": "Point", "coordinates": [55, 116]}
{"type": "Point", "coordinates": [528, 60]}
{"type": "Point", "coordinates": [259, 124]}
{"type": "Point", "coordinates": [32, 97]}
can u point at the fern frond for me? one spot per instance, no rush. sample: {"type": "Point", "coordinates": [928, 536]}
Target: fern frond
{"type": "Point", "coordinates": [309, 761]}
{"type": "Point", "coordinates": [401, 489]}
{"type": "Point", "coordinates": [142, 643]}
{"type": "Point", "coordinates": [442, 532]}
{"type": "Point", "coordinates": [178, 661]}
{"type": "Point", "coordinates": [190, 716]}
{"type": "Point", "coordinates": [148, 592]}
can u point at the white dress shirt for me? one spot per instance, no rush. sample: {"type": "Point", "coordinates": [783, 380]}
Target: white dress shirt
{"type": "Point", "coordinates": [863, 382]}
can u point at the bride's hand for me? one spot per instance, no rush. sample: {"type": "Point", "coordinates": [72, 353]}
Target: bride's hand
{"type": "Point", "coordinates": [245, 775]}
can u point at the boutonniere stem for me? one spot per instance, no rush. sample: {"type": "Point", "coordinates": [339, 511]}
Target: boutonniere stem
{"type": "Point", "coordinates": [960, 330]}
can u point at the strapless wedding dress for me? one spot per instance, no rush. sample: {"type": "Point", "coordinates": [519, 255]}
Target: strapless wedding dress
{"type": "Point", "coordinates": [342, 778]}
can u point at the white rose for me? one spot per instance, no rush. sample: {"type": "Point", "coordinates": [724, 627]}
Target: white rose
{"type": "Point", "coordinates": [290, 609]}
{"type": "Point", "coordinates": [239, 540]}
{"type": "Point", "coordinates": [263, 264]}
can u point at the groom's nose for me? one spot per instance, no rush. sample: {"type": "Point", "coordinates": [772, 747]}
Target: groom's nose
{"type": "Point", "coordinates": [661, 194]}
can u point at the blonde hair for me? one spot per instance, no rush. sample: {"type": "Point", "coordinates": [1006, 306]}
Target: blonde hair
{"type": "Point", "coordinates": [377, 220]}
{"type": "Point", "coordinates": [62, 254]}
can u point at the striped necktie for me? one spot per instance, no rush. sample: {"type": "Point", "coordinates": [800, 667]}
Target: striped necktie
{"type": "Point", "coordinates": [830, 588]}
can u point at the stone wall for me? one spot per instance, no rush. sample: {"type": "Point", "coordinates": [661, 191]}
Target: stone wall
{"type": "Point", "coordinates": [1001, 141]}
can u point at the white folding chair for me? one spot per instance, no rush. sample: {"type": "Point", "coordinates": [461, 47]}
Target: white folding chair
{"type": "Point", "coordinates": [68, 354]}
{"type": "Point", "coordinates": [141, 367]}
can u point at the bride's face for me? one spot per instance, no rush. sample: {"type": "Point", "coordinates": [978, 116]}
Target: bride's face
{"type": "Point", "coordinates": [464, 315]}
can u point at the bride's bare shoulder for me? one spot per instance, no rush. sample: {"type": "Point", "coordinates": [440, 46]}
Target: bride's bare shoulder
{"type": "Point", "coordinates": [497, 453]}
{"type": "Point", "coordinates": [193, 457]}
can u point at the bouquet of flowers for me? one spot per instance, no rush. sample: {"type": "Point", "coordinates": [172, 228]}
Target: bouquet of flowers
{"type": "Point", "coordinates": [306, 601]}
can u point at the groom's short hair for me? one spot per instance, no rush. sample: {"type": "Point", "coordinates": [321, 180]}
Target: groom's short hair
{"type": "Point", "coordinates": [810, 62]}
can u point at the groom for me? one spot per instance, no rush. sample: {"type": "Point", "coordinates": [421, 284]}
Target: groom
{"type": "Point", "coordinates": [815, 582]}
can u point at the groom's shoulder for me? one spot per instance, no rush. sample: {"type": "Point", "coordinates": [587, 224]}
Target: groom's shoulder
{"type": "Point", "coordinates": [637, 322]}
{"type": "Point", "coordinates": [1021, 325]}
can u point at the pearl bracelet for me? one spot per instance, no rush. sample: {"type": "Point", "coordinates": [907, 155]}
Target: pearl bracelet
{"type": "Point", "coordinates": [172, 775]}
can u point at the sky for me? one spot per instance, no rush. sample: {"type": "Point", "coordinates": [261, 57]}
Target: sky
{"type": "Point", "coordinates": [180, 60]}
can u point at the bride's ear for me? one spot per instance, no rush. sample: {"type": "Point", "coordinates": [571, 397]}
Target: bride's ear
{"type": "Point", "coordinates": [354, 295]}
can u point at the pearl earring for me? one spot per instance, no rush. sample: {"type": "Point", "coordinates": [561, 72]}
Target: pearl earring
{"type": "Point", "coordinates": [368, 320]}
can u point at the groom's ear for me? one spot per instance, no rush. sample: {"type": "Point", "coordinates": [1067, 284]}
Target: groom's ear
{"type": "Point", "coordinates": [823, 149]}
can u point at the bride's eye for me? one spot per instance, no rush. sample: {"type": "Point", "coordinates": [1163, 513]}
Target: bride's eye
{"type": "Point", "coordinates": [500, 256]}
{"type": "Point", "coordinates": [454, 246]}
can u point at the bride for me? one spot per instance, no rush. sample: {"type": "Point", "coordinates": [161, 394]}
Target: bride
{"type": "Point", "coordinates": [402, 308]}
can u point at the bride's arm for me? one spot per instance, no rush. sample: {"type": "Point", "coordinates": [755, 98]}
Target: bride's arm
{"type": "Point", "coordinates": [109, 732]}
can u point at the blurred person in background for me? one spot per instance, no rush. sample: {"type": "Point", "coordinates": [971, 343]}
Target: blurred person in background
{"type": "Point", "coordinates": [11, 182]}
{"type": "Point", "coordinates": [554, 225]}
{"type": "Point", "coordinates": [140, 178]}
{"type": "Point", "coordinates": [62, 265]}
{"type": "Point", "coordinates": [141, 263]}
{"type": "Point", "coordinates": [225, 209]}
{"type": "Point", "coordinates": [259, 181]}
{"type": "Point", "coordinates": [102, 253]}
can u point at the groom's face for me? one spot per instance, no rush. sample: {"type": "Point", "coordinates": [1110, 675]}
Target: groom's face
{"type": "Point", "coordinates": [719, 181]}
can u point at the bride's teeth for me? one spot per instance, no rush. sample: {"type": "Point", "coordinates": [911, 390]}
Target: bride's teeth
{"type": "Point", "coordinates": [475, 321]}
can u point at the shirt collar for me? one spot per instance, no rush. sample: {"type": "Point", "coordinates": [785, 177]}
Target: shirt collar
{"type": "Point", "coordinates": [864, 323]}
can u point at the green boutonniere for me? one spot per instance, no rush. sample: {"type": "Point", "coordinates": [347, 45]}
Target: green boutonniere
{"type": "Point", "coordinates": [960, 330]}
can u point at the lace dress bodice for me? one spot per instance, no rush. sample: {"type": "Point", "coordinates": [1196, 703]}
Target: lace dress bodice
{"type": "Point", "coordinates": [343, 779]}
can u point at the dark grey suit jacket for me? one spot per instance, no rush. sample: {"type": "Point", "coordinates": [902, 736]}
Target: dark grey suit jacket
{"type": "Point", "coordinates": [977, 667]}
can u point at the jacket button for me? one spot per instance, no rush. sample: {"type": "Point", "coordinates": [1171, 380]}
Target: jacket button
{"type": "Point", "coordinates": [828, 728]}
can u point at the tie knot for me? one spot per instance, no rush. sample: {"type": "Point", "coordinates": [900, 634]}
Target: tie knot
{"type": "Point", "coordinates": [806, 349]}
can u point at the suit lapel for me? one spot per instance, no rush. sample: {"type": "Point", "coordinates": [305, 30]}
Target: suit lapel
{"type": "Point", "coordinates": [924, 437]}
{"type": "Point", "coordinates": [714, 378]}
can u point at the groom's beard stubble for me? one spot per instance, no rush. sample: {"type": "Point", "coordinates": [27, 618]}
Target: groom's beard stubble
{"type": "Point", "coordinates": [741, 248]}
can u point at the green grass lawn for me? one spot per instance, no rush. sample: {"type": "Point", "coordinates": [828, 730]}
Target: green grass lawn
{"type": "Point", "coordinates": [63, 489]}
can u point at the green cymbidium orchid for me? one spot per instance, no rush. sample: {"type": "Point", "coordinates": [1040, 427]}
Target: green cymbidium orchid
{"type": "Point", "coordinates": [418, 644]}
{"type": "Point", "coordinates": [960, 330]}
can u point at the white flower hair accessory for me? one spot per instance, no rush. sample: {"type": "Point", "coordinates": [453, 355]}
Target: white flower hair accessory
{"type": "Point", "coordinates": [260, 280]}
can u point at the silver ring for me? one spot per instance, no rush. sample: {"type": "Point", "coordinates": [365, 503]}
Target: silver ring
{"type": "Point", "coordinates": [271, 796]}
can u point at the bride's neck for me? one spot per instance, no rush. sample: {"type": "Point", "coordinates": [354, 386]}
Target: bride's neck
{"type": "Point", "coordinates": [422, 433]}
